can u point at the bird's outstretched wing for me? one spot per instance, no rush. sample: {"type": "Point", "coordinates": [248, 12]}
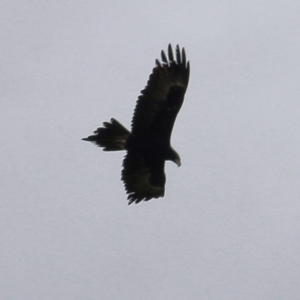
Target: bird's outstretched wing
{"type": "Point", "coordinates": [152, 124]}
{"type": "Point", "coordinates": [141, 180]}
{"type": "Point", "coordinates": [161, 99]}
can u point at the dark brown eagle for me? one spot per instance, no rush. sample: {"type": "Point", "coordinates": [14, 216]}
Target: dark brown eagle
{"type": "Point", "coordinates": [148, 144]}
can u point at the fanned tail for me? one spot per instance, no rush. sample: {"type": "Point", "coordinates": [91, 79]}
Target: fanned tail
{"type": "Point", "coordinates": [112, 136]}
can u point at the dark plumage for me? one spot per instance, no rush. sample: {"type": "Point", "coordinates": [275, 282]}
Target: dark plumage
{"type": "Point", "coordinates": [148, 144]}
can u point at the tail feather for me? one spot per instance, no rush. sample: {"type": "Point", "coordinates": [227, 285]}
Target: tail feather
{"type": "Point", "coordinates": [112, 136]}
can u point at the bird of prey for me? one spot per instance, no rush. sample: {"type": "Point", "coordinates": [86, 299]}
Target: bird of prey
{"type": "Point", "coordinates": [148, 143]}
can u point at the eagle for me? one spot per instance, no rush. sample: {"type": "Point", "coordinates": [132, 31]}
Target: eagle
{"type": "Point", "coordinates": [148, 144]}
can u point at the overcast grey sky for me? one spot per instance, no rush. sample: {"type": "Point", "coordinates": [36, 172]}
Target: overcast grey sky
{"type": "Point", "coordinates": [229, 224]}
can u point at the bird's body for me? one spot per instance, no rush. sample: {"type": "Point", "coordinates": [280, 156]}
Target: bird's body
{"type": "Point", "coordinates": [148, 144]}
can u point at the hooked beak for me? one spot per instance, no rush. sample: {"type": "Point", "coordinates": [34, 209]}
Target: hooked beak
{"type": "Point", "coordinates": [178, 162]}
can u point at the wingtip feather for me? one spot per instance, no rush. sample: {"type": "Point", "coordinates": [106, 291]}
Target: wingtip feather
{"type": "Point", "coordinates": [170, 53]}
{"type": "Point", "coordinates": [178, 56]}
{"type": "Point", "coordinates": [183, 56]}
{"type": "Point", "coordinates": [164, 57]}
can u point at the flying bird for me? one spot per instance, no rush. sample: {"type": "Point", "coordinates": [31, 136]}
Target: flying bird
{"type": "Point", "coordinates": [148, 144]}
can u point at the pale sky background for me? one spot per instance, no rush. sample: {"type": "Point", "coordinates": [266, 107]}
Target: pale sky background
{"type": "Point", "coordinates": [229, 224]}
